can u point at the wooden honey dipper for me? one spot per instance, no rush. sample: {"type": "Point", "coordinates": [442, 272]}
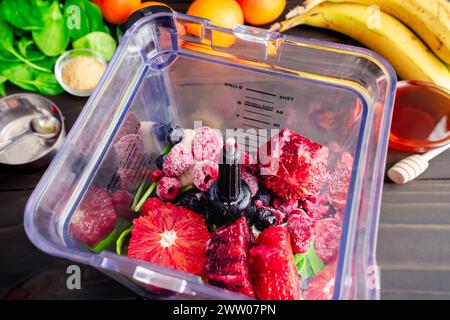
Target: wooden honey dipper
{"type": "Point", "coordinates": [411, 167]}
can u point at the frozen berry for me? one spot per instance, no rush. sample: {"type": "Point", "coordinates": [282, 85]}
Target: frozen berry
{"type": "Point", "coordinates": [317, 207]}
{"type": "Point", "coordinates": [178, 160]}
{"type": "Point", "coordinates": [288, 207]}
{"type": "Point", "coordinates": [156, 175]}
{"type": "Point", "coordinates": [328, 235]}
{"type": "Point", "coordinates": [160, 131]}
{"type": "Point", "coordinates": [207, 144]}
{"type": "Point", "coordinates": [160, 161]}
{"type": "Point", "coordinates": [263, 196]}
{"type": "Point", "coordinates": [301, 230]}
{"type": "Point", "coordinates": [168, 188]}
{"type": "Point", "coordinates": [251, 181]}
{"type": "Point", "coordinates": [189, 200]}
{"type": "Point", "coordinates": [204, 174]}
{"type": "Point", "coordinates": [175, 135]}
{"type": "Point", "coordinates": [264, 218]}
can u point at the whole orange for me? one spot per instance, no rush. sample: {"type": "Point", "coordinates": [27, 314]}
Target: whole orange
{"type": "Point", "coordinates": [150, 4]}
{"type": "Point", "coordinates": [258, 12]}
{"type": "Point", "coordinates": [221, 13]}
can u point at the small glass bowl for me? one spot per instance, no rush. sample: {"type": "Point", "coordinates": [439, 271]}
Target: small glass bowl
{"type": "Point", "coordinates": [64, 58]}
{"type": "Point", "coordinates": [421, 119]}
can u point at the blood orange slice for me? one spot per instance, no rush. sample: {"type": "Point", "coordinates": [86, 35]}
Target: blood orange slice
{"type": "Point", "coordinates": [171, 236]}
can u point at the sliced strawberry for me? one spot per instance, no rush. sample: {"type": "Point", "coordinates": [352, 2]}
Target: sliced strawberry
{"type": "Point", "coordinates": [321, 286]}
{"type": "Point", "coordinates": [272, 266]}
{"type": "Point", "coordinates": [227, 255]}
{"type": "Point", "coordinates": [293, 167]}
{"type": "Point", "coordinates": [169, 235]}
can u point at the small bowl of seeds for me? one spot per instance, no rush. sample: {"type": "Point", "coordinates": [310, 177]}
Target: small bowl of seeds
{"type": "Point", "coordinates": [79, 71]}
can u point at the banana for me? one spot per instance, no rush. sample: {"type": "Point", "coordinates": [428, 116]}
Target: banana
{"type": "Point", "coordinates": [390, 38]}
{"type": "Point", "coordinates": [429, 19]}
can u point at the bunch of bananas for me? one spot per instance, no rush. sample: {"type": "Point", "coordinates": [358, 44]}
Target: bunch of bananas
{"type": "Point", "coordinates": [414, 35]}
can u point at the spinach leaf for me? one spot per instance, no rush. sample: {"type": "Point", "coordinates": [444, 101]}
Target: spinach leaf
{"type": "Point", "coordinates": [46, 83]}
{"type": "Point", "coordinates": [20, 75]}
{"type": "Point", "coordinates": [30, 79]}
{"type": "Point", "coordinates": [308, 264]}
{"type": "Point", "coordinates": [3, 80]}
{"type": "Point", "coordinates": [23, 45]}
{"type": "Point", "coordinates": [83, 17]}
{"type": "Point", "coordinates": [6, 45]}
{"type": "Point", "coordinates": [21, 14]}
{"type": "Point", "coordinates": [100, 42]}
{"type": "Point", "coordinates": [54, 36]}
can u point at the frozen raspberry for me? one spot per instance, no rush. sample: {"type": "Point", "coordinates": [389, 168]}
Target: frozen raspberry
{"type": "Point", "coordinates": [293, 167]}
{"type": "Point", "coordinates": [121, 200]}
{"type": "Point", "coordinates": [339, 181]}
{"type": "Point", "coordinates": [204, 174]}
{"type": "Point", "coordinates": [328, 235]}
{"type": "Point", "coordinates": [168, 188]}
{"type": "Point", "coordinates": [178, 161]}
{"type": "Point", "coordinates": [156, 175]}
{"type": "Point", "coordinates": [251, 181]}
{"type": "Point", "coordinates": [207, 144]}
{"type": "Point", "coordinates": [288, 207]}
{"type": "Point", "coordinates": [317, 207]}
{"type": "Point", "coordinates": [301, 230]}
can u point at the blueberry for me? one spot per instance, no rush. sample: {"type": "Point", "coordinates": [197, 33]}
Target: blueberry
{"type": "Point", "coordinates": [250, 213]}
{"type": "Point", "coordinates": [263, 196]}
{"type": "Point", "coordinates": [264, 218]}
{"type": "Point", "coordinates": [160, 130]}
{"type": "Point", "coordinates": [160, 161]}
{"type": "Point", "coordinates": [175, 135]}
{"type": "Point", "coordinates": [189, 200]}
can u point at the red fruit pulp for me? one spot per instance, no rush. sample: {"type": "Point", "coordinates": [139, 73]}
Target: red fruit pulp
{"type": "Point", "coordinates": [294, 167]}
{"type": "Point", "coordinates": [322, 285]}
{"type": "Point", "coordinates": [272, 266]}
{"type": "Point", "coordinates": [169, 235]}
{"type": "Point", "coordinates": [227, 255]}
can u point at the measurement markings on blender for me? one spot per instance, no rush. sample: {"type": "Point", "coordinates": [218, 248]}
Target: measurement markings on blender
{"type": "Point", "coordinates": [262, 92]}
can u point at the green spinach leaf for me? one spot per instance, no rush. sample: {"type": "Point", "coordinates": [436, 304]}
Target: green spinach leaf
{"type": "Point", "coordinates": [23, 44]}
{"type": "Point", "coordinates": [53, 38]}
{"type": "Point", "coordinates": [308, 264]}
{"type": "Point", "coordinates": [30, 79]}
{"type": "Point", "coordinates": [83, 17]}
{"type": "Point", "coordinates": [6, 45]}
{"type": "Point", "coordinates": [21, 14]}
{"type": "Point", "coordinates": [46, 83]}
{"type": "Point", "coordinates": [20, 75]}
{"type": "Point", "coordinates": [3, 80]}
{"type": "Point", "coordinates": [100, 42]}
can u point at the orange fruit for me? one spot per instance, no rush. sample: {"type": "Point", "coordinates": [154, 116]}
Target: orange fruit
{"type": "Point", "coordinates": [221, 13]}
{"type": "Point", "coordinates": [149, 4]}
{"type": "Point", "coordinates": [258, 12]}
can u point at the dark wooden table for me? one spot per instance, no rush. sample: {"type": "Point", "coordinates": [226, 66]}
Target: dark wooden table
{"type": "Point", "coordinates": [413, 243]}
